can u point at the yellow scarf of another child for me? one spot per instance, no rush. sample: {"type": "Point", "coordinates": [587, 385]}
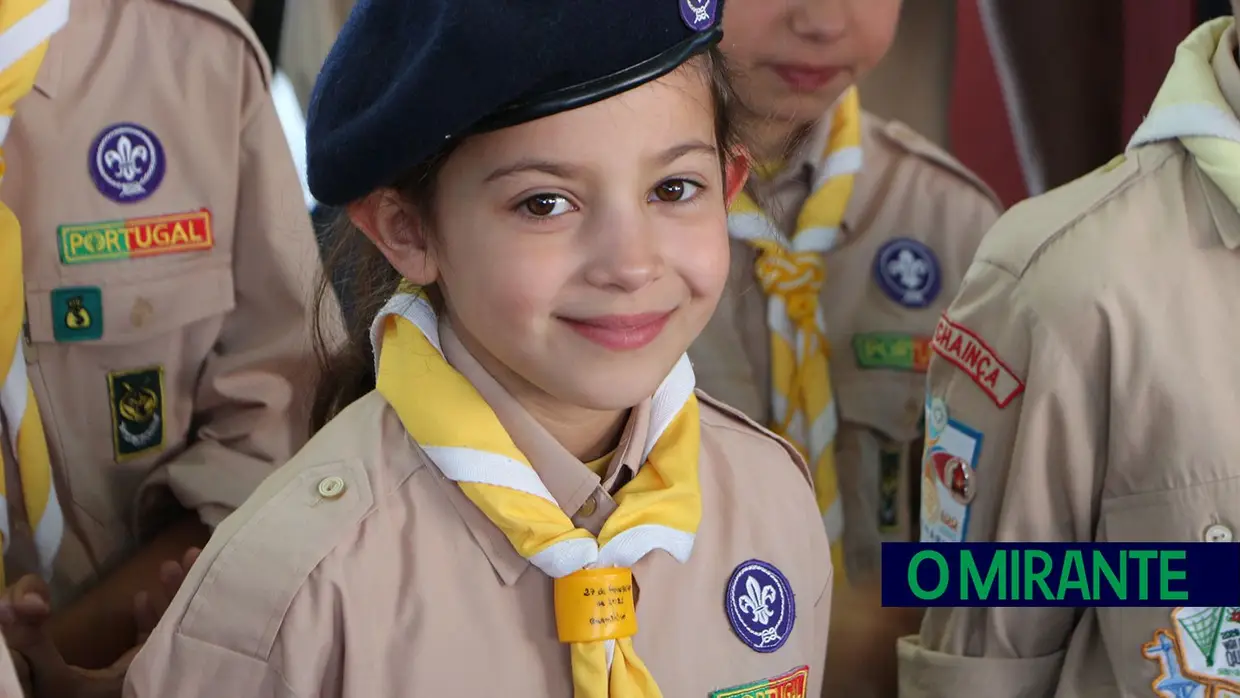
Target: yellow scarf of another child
{"type": "Point", "coordinates": [659, 509]}
{"type": "Point", "coordinates": [792, 272]}
{"type": "Point", "coordinates": [26, 26]}
{"type": "Point", "coordinates": [1191, 107]}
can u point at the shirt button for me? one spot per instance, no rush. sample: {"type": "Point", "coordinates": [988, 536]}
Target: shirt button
{"type": "Point", "coordinates": [588, 508]}
{"type": "Point", "coordinates": [1218, 533]}
{"type": "Point", "coordinates": [331, 487]}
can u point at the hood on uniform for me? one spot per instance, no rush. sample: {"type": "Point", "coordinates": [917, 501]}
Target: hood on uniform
{"type": "Point", "coordinates": [406, 77]}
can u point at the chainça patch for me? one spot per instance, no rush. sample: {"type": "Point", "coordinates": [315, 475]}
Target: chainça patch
{"type": "Point", "coordinates": [964, 349]}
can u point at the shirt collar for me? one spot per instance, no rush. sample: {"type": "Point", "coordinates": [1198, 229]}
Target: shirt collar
{"type": "Point", "coordinates": [568, 479]}
{"type": "Point", "coordinates": [1226, 218]}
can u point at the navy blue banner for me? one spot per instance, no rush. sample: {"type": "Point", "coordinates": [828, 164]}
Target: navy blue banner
{"type": "Point", "coordinates": [1061, 574]}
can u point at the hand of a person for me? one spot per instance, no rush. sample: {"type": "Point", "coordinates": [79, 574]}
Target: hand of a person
{"type": "Point", "coordinates": [24, 609]}
{"type": "Point", "coordinates": [149, 606]}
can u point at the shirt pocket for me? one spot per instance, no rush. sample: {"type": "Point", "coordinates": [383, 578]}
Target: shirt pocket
{"type": "Point", "coordinates": [117, 366]}
{"type": "Point", "coordinates": [1134, 637]}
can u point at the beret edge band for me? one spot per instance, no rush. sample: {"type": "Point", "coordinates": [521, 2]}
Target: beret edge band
{"type": "Point", "coordinates": [599, 89]}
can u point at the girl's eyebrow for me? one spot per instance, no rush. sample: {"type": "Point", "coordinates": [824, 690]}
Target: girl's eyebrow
{"type": "Point", "coordinates": [565, 170]}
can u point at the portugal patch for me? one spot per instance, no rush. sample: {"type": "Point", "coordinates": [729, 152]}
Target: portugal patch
{"type": "Point", "coordinates": [136, 237]}
{"type": "Point", "coordinates": [891, 350]}
{"type": "Point", "coordinates": [790, 685]}
{"type": "Point", "coordinates": [137, 399]}
{"type": "Point", "coordinates": [970, 354]}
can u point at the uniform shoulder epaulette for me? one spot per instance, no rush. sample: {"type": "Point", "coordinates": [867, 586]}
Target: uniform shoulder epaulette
{"type": "Point", "coordinates": [1015, 240]}
{"type": "Point", "coordinates": [737, 417]}
{"type": "Point", "coordinates": [300, 515]}
{"type": "Point", "coordinates": [226, 13]}
{"type": "Point", "coordinates": [905, 138]}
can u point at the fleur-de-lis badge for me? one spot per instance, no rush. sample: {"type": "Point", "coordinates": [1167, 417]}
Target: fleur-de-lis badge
{"type": "Point", "coordinates": [127, 162]}
{"type": "Point", "coordinates": [760, 605]}
{"type": "Point", "coordinates": [124, 159]}
{"type": "Point", "coordinates": [701, 11]}
{"type": "Point", "coordinates": [756, 601]}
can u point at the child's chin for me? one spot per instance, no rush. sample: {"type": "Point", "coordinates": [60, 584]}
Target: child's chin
{"type": "Point", "coordinates": [614, 390]}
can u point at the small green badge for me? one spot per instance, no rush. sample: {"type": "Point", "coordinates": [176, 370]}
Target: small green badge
{"type": "Point", "coordinates": [77, 314]}
{"type": "Point", "coordinates": [137, 399]}
{"type": "Point", "coordinates": [891, 350]}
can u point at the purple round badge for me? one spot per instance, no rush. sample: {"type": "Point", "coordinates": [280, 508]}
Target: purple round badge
{"type": "Point", "coordinates": [698, 14]}
{"type": "Point", "coordinates": [908, 272]}
{"type": "Point", "coordinates": [760, 605]}
{"type": "Point", "coordinates": [127, 163]}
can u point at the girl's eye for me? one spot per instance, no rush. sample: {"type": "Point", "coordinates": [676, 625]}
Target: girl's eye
{"type": "Point", "coordinates": [674, 190]}
{"type": "Point", "coordinates": [547, 205]}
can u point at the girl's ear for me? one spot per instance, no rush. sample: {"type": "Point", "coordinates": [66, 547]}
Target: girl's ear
{"type": "Point", "coordinates": [735, 174]}
{"type": "Point", "coordinates": [394, 226]}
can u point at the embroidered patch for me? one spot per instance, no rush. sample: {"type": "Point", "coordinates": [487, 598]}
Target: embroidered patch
{"type": "Point", "coordinates": [889, 458]}
{"type": "Point", "coordinates": [935, 419]}
{"type": "Point", "coordinates": [970, 354]}
{"type": "Point", "coordinates": [77, 314]}
{"type": "Point", "coordinates": [127, 163]}
{"type": "Point", "coordinates": [1202, 650]}
{"type": "Point", "coordinates": [699, 15]}
{"type": "Point", "coordinates": [136, 238]}
{"type": "Point", "coordinates": [908, 272]}
{"type": "Point", "coordinates": [760, 605]}
{"type": "Point", "coordinates": [137, 399]}
{"type": "Point", "coordinates": [791, 685]}
{"type": "Point", "coordinates": [890, 350]}
{"type": "Point", "coordinates": [948, 483]}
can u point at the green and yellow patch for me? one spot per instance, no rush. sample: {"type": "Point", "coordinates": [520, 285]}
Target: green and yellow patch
{"type": "Point", "coordinates": [892, 351]}
{"type": "Point", "coordinates": [77, 314]}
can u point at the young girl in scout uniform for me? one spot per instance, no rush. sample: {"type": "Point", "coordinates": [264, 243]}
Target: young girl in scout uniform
{"type": "Point", "coordinates": [534, 501]}
{"type": "Point", "coordinates": [1084, 385]}
{"type": "Point", "coordinates": [153, 310]}
{"type": "Point", "coordinates": [848, 241]}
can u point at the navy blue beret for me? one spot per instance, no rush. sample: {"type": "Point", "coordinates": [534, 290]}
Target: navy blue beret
{"type": "Point", "coordinates": [406, 77]}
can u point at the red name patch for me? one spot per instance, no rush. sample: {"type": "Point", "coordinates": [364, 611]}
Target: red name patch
{"type": "Point", "coordinates": [971, 355]}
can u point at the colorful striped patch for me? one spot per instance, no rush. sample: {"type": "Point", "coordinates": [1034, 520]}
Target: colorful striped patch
{"type": "Point", "coordinates": [892, 350]}
{"type": "Point", "coordinates": [790, 685]}
{"type": "Point", "coordinates": [135, 238]}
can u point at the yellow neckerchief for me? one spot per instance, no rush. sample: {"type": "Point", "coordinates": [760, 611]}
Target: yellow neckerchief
{"type": "Point", "coordinates": [660, 508]}
{"type": "Point", "coordinates": [1191, 107]}
{"type": "Point", "coordinates": [792, 273]}
{"type": "Point", "coordinates": [25, 28]}
{"type": "Point", "coordinates": [598, 466]}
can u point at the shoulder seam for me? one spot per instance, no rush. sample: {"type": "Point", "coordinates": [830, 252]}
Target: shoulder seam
{"type": "Point", "coordinates": [1071, 223]}
{"type": "Point", "coordinates": [758, 433]}
{"type": "Point", "coordinates": [239, 27]}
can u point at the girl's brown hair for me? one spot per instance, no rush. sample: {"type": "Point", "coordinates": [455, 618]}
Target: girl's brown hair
{"type": "Point", "coordinates": [347, 372]}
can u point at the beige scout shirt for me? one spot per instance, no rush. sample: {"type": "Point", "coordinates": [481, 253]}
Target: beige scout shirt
{"type": "Point", "coordinates": [10, 687]}
{"type": "Point", "coordinates": [908, 188]}
{"type": "Point", "coordinates": [1098, 321]}
{"type": "Point", "coordinates": [169, 264]}
{"type": "Point", "coordinates": [400, 586]}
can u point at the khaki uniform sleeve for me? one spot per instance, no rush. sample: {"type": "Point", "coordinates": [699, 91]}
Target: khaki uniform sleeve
{"type": "Point", "coordinates": [1020, 370]}
{"type": "Point", "coordinates": [173, 665]}
{"type": "Point", "coordinates": [251, 406]}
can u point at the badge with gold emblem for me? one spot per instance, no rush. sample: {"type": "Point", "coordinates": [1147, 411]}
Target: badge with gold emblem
{"type": "Point", "coordinates": [137, 399]}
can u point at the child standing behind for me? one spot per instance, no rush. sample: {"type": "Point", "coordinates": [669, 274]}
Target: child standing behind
{"type": "Point", "coordinates": [851, 237]}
